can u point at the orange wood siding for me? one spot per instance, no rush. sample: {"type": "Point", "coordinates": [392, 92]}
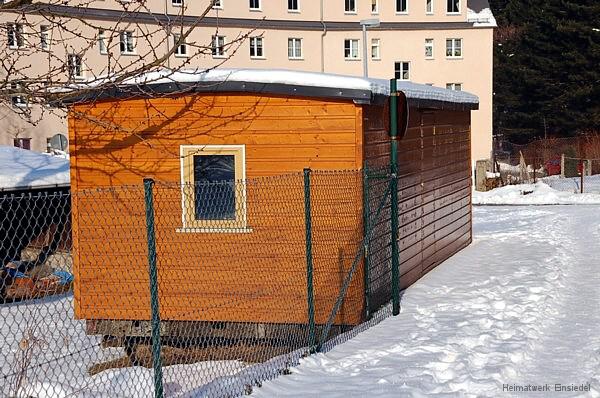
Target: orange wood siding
{"type": "Point", "coordinates": [257, 276]}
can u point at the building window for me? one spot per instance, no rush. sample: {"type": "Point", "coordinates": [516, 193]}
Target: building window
{"type": "Point", "coordinates": [454, 86]}
{"type": "Point", "coordinates": [453, 7]}
{"type": "Point", "coordinates": [374, 6]}
{"type": "Point", "coordinates": [217, 4]}
{"type": "Point", "coordinates": [15, 36]}
{"type": "Point", "coordinates": [255, 4]}
{"type": "Point", "coordinates": [127, 42]}
{"type": "Point", "coordinates": [44, 37]}
{"type": "Point", "coordinates": [75, 66]}
{"type": "Point", "coordinates": [102, 47]}
{"type": "Point", "coordinates": [23, 143]}
{"type": "Point", "coordinates": [429, 48]}
{"type": "Point", "coordinates": [402, 6]}
{"type": "Point", "coordinates": [177, 3]}
{"type": "Point", "coordinates": [180, 47]}
{"type": "Point", "coordinates": [402, 70]}
{"type": "Point", "coordinates": [218, 46]}
{"type": "Point", "coordinates": [293, 6]}
{"type": "Point", "coordinates": [17, 98]}
{"type": "Point", "coordinates": [453, 48]}
{"type": "Point", "coordinates": [350, 6]}
{"type": "Point", "coordinates": [375, 49]}
{"type": "Point", "coordinates": [351, 49]}
{"type": "Point", "coordinates": [294, 48]}
{"type": "Point", "coordinates": [213, 187]}
{"type": "Point", "coordinates": [429, 7]}
{"type": "Point", "coordinates": [256, 47]}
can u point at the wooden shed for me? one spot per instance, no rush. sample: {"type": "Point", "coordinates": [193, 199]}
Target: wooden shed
{"type": "Point", "coordinates": [267, 127]}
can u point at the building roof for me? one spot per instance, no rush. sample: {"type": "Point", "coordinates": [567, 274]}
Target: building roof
{"type": "Point", "coordinates": [480, 14]}
{"type": "Point", "coordinates": [268, 81]}
{"type": "Point", "coordinates": [21, 169]}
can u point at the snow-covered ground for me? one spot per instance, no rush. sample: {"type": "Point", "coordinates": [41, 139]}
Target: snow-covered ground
{"type": "Point", "coordinates": [539, 193]}
{"type": "Point", "coordinates": [519, 307]}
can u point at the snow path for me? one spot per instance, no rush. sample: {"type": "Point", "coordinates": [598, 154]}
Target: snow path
{"type": "Point", "coordinates": [519, 306]}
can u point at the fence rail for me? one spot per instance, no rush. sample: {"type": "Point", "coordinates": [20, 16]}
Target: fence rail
{"type": "Point", "coordinates": [172, 290]}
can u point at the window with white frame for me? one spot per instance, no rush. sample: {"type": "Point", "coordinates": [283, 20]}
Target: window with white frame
{"type": "Point", "coordinates": [453, 6]}
{"type": "Point", "coordinates": [44, 37]}
{"type": "Point", "coordinates": [375, 49]}
{"type": "Point", "coordinates": [218, 46]}
{"type": "Point", "coordinates": [213, 187]}
{"type": "Point", "coordinates": [429, 7]}
{"type": "Point", "coordinates": [294, 48]}
{"type": "Point", "coordinates": [127, 43]}
{"type": "Point", "coordinates": [453, 48]}
{"type": "Point", "coordinates": [256, 47]}
{"type": "Point", "coordinates": [402, 70]}
{"type": "Point", "coordinates": [180, 45]}
{"type": "Point", "coordinates": [16, 97]}
{"type": "Point", "coordinates": [177, 3]}
{"type": "Point", "coordinates": [293, 5]}
{"type": "Point", "coordinates": [374, 6]}
{"type": "Point", "coordinates": [454, 86]}
{"type": "Point", "coordinates": [350, 6]}
{"type": "Point", "coordinates": [402, 6]}
{"type": "Point", "coordinates": [351, 49]}
{"type": "Point", "coordinates": [428, 48]}
{"type": "Point", "coordinates": [102, 46]}
{"type": "Point", "coordinates": [255, 4]}
{"type": "Point", "coordinates": [75, 66]}
{"type": "Point", "coordinates": [217, 4]}
{"type": "Point", "coordinates": [15, 37]}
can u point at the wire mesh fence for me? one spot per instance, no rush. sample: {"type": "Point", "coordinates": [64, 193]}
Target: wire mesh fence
{"type": "Point", "coordinates": [565, 164]}
{"type": "Point", "coordinates": [188, 290]}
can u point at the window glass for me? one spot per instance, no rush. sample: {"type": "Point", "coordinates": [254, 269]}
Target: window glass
{"type": "Point", "coordinates": [214, 187]}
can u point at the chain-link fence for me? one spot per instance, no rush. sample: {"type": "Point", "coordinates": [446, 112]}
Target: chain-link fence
{"type": "Point", "coordinates": [566, 164]}
{"type": "Point", "coordinates": [188, 290]}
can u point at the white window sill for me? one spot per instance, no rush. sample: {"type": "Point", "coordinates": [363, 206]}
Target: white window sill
{"type": "Point", "coordinates": [350, 12]}
{"type": "Point", "coordinates": [429, 58]}
{"type": "Point", "coordinates": [217, 8]}
{"type": "Point", "coordinates": [401, 12]}
{"type": "Point", "coordinates": [219, 56]}
{"type": "Point", "coordinates": [294, 11]}
{"type": "Point", "coordinates": [181, 56]}
{"type": "Point", "coordinates": [258, 58]}
{"type": "Point", "coordinates": [453, 13]}
{"type": "Point", "coordinates": [128, 54]}
{"type": "Point", "coordinates": [103, 52]}
{"type": "Point", "coordinates": [454, 58]}
{"type": "Point", "coordinates": [352, 59]}
{"type": "Point", "coordinates": [375, 59]}
{"type": "Point", "coordinates": [429, 13]}
{"type": "Point", "coordinates": [255, 10]}
{"type": "Point", "coordinates": [188, 230]}
{"type": "Point", "coordinates": [296, 59]}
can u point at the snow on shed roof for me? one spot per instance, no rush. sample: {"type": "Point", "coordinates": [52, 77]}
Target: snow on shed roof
{"type": "Point", "coordinates": [23, 169]}
{"type": "Point", "coordinates": [480, 14]}
{"type": "Point", "coordinates": [272, 80]}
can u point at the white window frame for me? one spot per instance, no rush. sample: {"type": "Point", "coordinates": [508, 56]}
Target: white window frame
{"type": "Point", "coordinates": [217, 4]}
{"type": "Point", "coordinates": [239, 225]}
{"type": "Point", "coordinates": [15, 31]}
{"type": "Point", "coordinates": [297, 44]}
{"type": "Point", "coordinates": [18, 101]}
{"type": "Point", "coordinates": [454, 48]}
{"type": "Point", "coordinates": [177, 3]}
{"type": "Point", "coordinates": [70, 64]}
{"type": "Point", "coordinates": [429, 7]}
{"type": "Point", "coordinates": [376, 43]}
{"type": "Point", "coordinates": [181, 51]}
{"type": "Point", "coordinates": [259, 8]}
{"type": "Point", "coordinates": [402, 70]}
{"type": "Point", "coordinates": [454, 86]}
{"type": "Point", "coordinates": [254, 46]}
{"type": "Point", "coordinates": [102, 43]}
{"type": "Point", "coordinates": [219, 50]}
{"type": "Point", "coordinates": [294, 10]}
{"type": "Point", "coordinates": [429, 44]}
{"type": "Point", "coordinates": [351, 53]}
{"type": "Point", "coordinates": [127, 37]}
{"type": "Point", "coordinates": [45, 37]}
{"type": "Point", "coordinates": [348, 9]}
{"type": "Point", "coordinates": [398, 12]}
{"type": "Point", "coordinates": [448, 11]}
{"type": "Point", "coordinates": [374, 7]}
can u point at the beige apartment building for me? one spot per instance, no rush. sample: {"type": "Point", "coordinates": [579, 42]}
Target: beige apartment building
{"type": "Point", "coordinates": [445, 43]}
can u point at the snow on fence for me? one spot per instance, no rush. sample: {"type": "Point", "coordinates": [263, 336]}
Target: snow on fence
{"type": "Point", "coordinates": [137, 291]}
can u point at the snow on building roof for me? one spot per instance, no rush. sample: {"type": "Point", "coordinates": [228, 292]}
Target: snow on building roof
{"type": "Point", "coordinates": [286, 81]}
{"type": "Point", "coordinates": [23, 169]}
{"type": "Point", "coordinates": [480, 14]}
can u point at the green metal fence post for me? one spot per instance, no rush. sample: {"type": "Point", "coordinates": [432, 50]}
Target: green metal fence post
{"type": "Point", "coordinates": [367, 240]}
{"type": "Point", "coordinates": [394, 196]}
{"type": "Point", "coordinates": [156, 357]}
{"type": "Point", "coordinates": [309, 262]}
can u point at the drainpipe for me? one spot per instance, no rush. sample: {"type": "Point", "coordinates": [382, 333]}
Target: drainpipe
{"type": "Point", "coordinates": [323, 37]}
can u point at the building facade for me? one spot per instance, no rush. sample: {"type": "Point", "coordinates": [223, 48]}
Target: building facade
{"type": "Point", "coordinates": [445, 43]}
